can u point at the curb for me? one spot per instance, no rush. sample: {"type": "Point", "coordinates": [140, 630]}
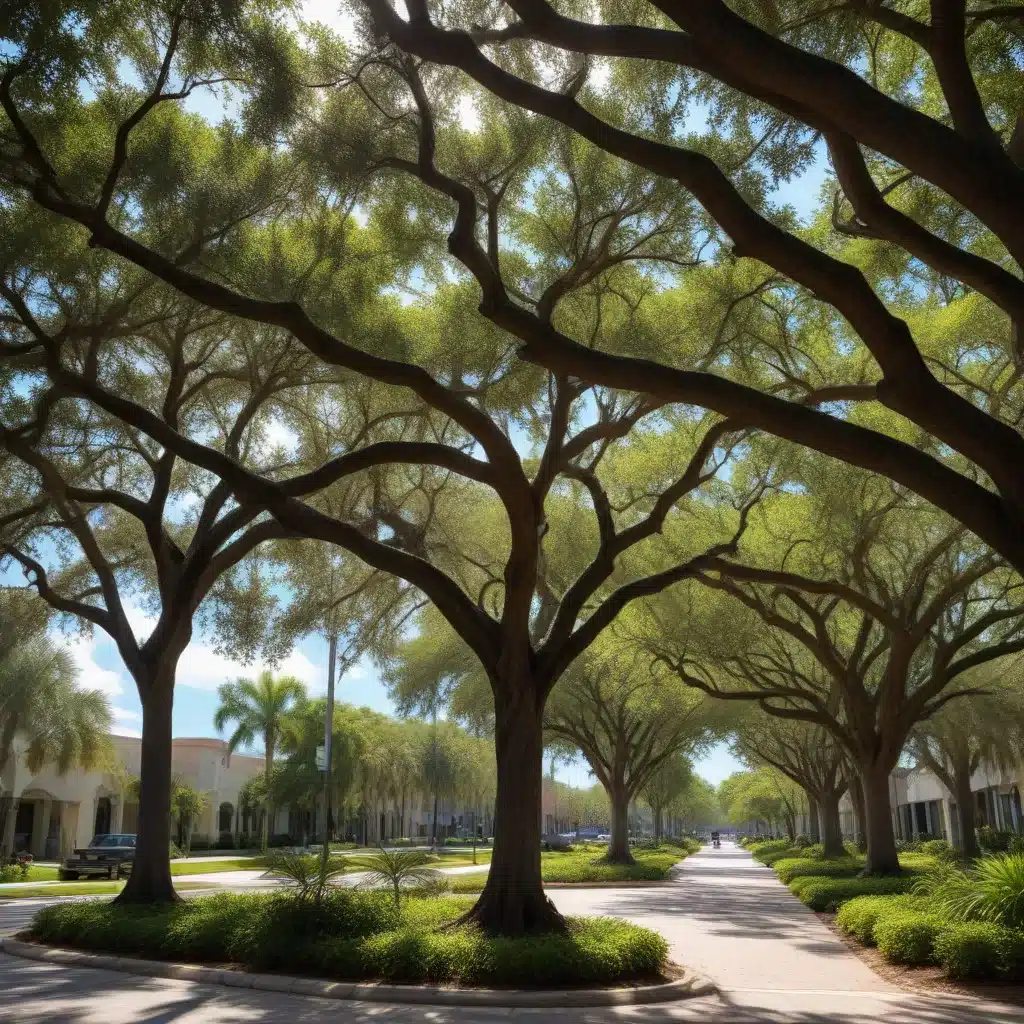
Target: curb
{"type": "Point", "coordinates": [685, 988]}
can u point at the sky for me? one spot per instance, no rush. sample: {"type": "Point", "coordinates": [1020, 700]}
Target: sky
{"type": "Point", "coordinates": [202, 669]}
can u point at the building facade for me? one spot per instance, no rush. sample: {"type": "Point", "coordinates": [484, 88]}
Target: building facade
{"type": "Point", "coordinates": [49, 815]}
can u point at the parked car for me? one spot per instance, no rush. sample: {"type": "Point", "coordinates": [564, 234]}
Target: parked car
{"type": "Point", "coordinates": [109, 855]}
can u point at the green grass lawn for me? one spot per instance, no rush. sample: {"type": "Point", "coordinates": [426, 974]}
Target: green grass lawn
{"type": "Point", "coordinates": [200, 867]}
{"type": "Point", "coordinates": [589, 866]}
{"type": "Point", "coordinates": [359, 935]}
{"type": "Point", "coordinates": [77, 889]}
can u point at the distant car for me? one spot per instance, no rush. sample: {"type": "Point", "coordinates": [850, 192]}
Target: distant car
{"type": "Point", "coordinates": [604, 837]}
{"type": "Point", "coordinates": [106, 855]}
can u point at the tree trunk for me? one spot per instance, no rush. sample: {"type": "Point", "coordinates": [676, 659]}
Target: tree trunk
{"type": "Point", "coordinates": [791, 827]}
{"type": "Point", "coordinates": [965, 814]}
{"type": "Point", "coordinates": [881, 853]}
{"type": "Point", "coordinates": [831, 826]}
{"type": "Point", "coordinates": [860, 824]}
{"type": "Point", "coordinates": [150, 877]}
{"type": "Point", "coordinates": [657, 824]}
{"type": "Point", "coordinates": [813, 827]}
{"type": "Point", "coordinates": [513, 900]}
{"type": "Point", "coordinates": [618, 848]}
{"type": "Point", "coordinates": [433, 826]}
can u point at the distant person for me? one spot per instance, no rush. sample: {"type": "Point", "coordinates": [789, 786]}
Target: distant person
{"type": "Point", "coordinates": [715, 842]}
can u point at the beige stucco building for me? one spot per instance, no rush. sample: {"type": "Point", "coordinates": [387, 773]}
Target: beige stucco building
{"type": "Point", "coordinates": [54, 814]}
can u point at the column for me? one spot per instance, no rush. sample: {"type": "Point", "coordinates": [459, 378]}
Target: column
{"type": "Point", "coordinates": [117, 814]}
{"type": "Point", "coordinates": [7, 843]}
{"type": "Point", "coordinates": [40, 828]}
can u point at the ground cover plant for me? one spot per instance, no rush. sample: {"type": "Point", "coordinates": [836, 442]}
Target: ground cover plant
{"type": "Point", "coordinates": [652, 864]}
{"type": "Point", "coordinates": [359, 935]}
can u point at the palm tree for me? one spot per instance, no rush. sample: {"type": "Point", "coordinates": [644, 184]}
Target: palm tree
{"type": "Point", "coordinates": [63, 725]}
{"type": "Point", "coordinates": [258, 707]}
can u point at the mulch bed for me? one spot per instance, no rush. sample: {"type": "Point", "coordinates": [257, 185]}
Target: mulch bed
{"type": "Point", "coordinates": [926, 980]}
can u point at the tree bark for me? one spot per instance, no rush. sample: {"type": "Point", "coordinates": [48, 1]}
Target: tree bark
{"type": "Point", "coordinates": [881, 853]}
{"type": "Point", "coordinates": [831, 826]}
{"type": "Point", "coordinates": [268, 771]}
{"type": "Point", "coordinates": [150, 877]}
{"type": "Point", "coordinates": [618, 848]}
{"type": "Point", "coordinates": [814, 828]}
{"type": "Point", "coordinates": [657, 824]}
{"type": "Point", "coordinates": [965, 813]}
{"type": "Point", "coordinates": [513, 900]}
{"type": "Point", "coordinates": [860, 826]}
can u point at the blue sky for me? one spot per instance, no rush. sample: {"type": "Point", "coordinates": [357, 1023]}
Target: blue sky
{"type": "Point", "coordinates": [202, 669]}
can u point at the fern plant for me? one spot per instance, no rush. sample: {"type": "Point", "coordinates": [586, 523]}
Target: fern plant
{"type": "Point", "coordinates": [396, 868]}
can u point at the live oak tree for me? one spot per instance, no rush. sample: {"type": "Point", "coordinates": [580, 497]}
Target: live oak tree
{"type": "Point", "coordinates": [811, 758]}
{"type": "Point", "coordinates": [96, 510]}
{"type": "Point", "coordinates": [666, 788]}
{"type": "Point", "coordinates": [986, 729]}
{"type": "Point", "coordinates": [916, 107]}
{"type": "Point", "coordinates": [891, 600]}
{"type": "Point", "coordinates": [762, 794]}
{"type": "Point", "coordinates": [629, 722]}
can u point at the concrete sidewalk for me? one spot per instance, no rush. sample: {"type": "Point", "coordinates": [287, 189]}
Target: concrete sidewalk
{"type": "Point", "coordinates": [730, 918]}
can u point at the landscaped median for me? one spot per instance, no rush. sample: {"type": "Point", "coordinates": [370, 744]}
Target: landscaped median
{"type": "Point", "coordinates": [586, 865]}
{"type": "Point", "coordinates": [366, 936]}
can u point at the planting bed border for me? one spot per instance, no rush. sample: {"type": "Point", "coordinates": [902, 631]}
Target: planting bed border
{"type": "Point", "coordinates": [689, 986]}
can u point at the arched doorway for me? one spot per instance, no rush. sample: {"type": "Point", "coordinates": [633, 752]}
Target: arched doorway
{"type": "Point", "coordinates": [224, 817]}
{"type": "Point", "coordinates": [103, 816]}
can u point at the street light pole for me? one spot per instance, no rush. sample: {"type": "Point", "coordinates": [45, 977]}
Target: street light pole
{"type": "Point", "coordinates": [332, 657]}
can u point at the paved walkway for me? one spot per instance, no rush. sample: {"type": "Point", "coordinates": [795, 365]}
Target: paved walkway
{"type": "Point", "coordinates": [726, 916]}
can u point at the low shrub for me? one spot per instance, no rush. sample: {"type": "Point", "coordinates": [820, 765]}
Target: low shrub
{"type": "Point", "coordinates": [359, 935]}
{"type": "Point", "coordinates": [908, 845]}
{"type": "Point", "coordinates": [907, 938]}
{"type": "Point", "coordinates": [1016, 845]}
{"type": "Point", "coordinates": [768, 855]}
{"type": "Point", "coordinates": [971, 949]}
{"type": "Point", "coordinates": [14, 872]}
{"type": "Point", "coordinates": [857, 917]}
{"type": "Point", "coordinates": [827, 895]}
{"type": "Point", "coordinates": [936, 848]}
{"type": "Point", "coordinates": [280, 840]}
{"type": "Point", "coordinates": [793, 867]}
{"type": "Point", "coordinates": [802, 842]}
{"type": "Point", "coordinates": [815, 850]}
{"type": "Point", "coordinates": [176, 852]}
{"type": "Point", "coordinates": [980, 949]}
{"type": "Point", "coordinates": [993, 840]}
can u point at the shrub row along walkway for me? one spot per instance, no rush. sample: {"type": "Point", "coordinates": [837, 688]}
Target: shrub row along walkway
{"type": "Point", "coordinates": [727, 917]}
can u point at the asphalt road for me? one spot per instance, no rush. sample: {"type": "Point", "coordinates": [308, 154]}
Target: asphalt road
{"type": "Point", "coordinates": [725, 916]}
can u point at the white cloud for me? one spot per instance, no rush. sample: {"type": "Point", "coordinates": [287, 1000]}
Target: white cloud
{"type": "Point", "coordinates": [90, 675]}
{"type": "Point", "coordinates": [202, 668]}
{"type": "Point", "coordinates": [123, 717]}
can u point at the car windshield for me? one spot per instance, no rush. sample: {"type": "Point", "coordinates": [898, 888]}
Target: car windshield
{"type": "Point", "coordinates": [113, 841]}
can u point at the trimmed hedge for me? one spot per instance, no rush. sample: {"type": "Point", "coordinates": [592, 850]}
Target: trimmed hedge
{"type": "Point", "coordinates": [796, 867]}
{"type": "Point", "coordinates": [359, 936]}
{"type": "Point", "coordinates": [857, 917]}
{"type": "Point", "coordinates": [975, 949]}
{"type": "Point", "coordinates": [907, 937]}
{"type": "Point", "coordinates": [827, 895]}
